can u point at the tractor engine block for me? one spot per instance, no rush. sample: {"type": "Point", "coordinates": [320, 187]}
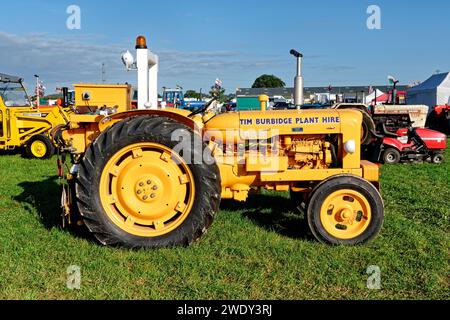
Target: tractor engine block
{"type": "Point", "coordinates": [308, 152]}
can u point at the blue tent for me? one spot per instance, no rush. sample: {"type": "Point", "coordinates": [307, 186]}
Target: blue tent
{"type": "Point", "coordinates": [432, 92]}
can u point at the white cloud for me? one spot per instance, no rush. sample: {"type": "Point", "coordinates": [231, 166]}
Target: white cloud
{"type": "Point", "coordinates": [66, 59]}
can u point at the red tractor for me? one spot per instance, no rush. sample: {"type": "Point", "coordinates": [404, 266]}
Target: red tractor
{"type": "Point", "coordinates": [442, 113]}
{"type": "Point", "coordinates": [413, 144]}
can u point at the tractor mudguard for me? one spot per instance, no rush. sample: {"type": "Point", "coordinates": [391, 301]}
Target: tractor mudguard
{"type": "Point", "coordinates": [176, 114]}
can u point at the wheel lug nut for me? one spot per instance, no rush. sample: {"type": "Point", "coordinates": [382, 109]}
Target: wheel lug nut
{"type": "Point", "coordinates": [139, 191]}
{"type": "Point", "coordinates": [141, 184]}
{"type": "Point", "coordinates": [153, 196]}
{"type": "Point", "coordinates": [145, 198]}
{"type": "Point", "coordinates": [149, 181]}
{"type": "Point", "coordinates": [155, 187]}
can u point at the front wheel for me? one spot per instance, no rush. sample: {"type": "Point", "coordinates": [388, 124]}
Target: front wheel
{"type": "Point", "coordinates": [39, 147]}
{"type": "Point", "coordinates": [345, 210]}
{"type": "Point", "coordinates": [134, 190]}
{"type": "Point", "coordinates": [391, 156]}
{"type": "Point", "coordinates": [437, 158]}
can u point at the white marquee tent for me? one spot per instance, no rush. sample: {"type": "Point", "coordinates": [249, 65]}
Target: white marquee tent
{"type": "Point", "coordinates": [432, 92]}
{"type": "Point", "coordinates": [369, 98]}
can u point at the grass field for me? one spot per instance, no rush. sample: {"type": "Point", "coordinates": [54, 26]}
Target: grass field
{"type": "Point", "coordinates": [254, 250]}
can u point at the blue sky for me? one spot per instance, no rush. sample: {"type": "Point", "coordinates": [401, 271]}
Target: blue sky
{"type": "Point", "coordinates": [236, 41]}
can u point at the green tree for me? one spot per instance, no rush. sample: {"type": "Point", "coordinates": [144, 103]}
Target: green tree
{"type": "Point", "coordinates": [53, 96]}
{"type": "Point", "coordinates": [192, 94]}
{"type": "Point", "coordinates": [219, 93]}
{"type": "Point", "coordinates": [268, 81]}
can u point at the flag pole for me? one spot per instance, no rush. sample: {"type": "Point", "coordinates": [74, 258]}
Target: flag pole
{"type": "Point", "coordinates": [37, 92]}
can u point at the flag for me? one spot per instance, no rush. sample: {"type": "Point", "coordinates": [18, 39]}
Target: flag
{"type": "Point", "coordinates": [218, 84]}
{"type": "Point", "coordinates": [392, 80]}
{"type": "Point", "coordinates": [40, 88]}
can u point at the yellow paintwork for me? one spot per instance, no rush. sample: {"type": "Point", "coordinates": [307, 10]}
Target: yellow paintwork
{"type": "Point", "coordinates": [240, 126]}
{"type": "Point", "coordinates": [295, 149]}
{"type": "Point", "coordinates": [145, 192]}
{"type": "Point", "coordinates": [345, 214]}
{"type": "Point", "coordinates": [19, 124]}
{"type": "Point", "coordinates": [263, 99]}
{"type": "Point", "coordinates": [84, 128]}
{"type": "Point", "coordinates": [371, 171]}
{"type": "Point", "coordinates": [103, 95]}
{"type": "Point", "coordinates": [180, 115]}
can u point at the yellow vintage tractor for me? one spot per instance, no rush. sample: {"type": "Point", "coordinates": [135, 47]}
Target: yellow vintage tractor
{"type": "Point", "coordinates": [154, 178]}
{"type": "Point", "coordinates": [25, 126]}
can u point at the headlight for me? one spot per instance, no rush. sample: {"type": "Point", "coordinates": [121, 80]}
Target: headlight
{"type": "Point", "coordinates": [350, 146]}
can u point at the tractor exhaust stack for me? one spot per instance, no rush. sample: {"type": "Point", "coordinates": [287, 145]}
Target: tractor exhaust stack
{"type": "Point", "coordinates": [298, 84]}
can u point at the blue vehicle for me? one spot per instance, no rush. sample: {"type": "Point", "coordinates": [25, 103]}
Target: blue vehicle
{"type": "Point", "coordinates": [174, 98]}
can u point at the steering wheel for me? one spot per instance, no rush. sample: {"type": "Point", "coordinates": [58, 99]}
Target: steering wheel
{"type": "Point", "coordinates": [205, 107]}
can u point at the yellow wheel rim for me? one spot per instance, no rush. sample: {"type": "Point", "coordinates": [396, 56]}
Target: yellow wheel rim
{"type": "Point", "coordinates": [345, 214]}
{"type": "Point", "coordinates": [147, 190]}
{"type": "Point", "coordinates": [38, 149]}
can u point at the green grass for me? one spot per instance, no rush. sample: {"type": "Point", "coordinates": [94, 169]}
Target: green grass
{"type": "Point", "coordinates": [254, 250]}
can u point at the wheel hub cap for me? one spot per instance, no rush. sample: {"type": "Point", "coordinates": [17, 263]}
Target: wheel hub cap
{"type": "Point", "coordinates": [148, 189]}
{"type": "Point", "coordinates": [345, 214]}
{"type": "Point", "coordinates": [39, 149]}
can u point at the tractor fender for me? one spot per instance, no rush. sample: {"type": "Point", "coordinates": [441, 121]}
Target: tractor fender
{"type": "Point", "coordinates": [394, 143]}
{"type": "Point", "coordinates": [367, 120]}
{"type": "Point", "coordinates": [178, 115]}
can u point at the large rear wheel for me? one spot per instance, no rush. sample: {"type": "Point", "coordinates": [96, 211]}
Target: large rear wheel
{"type": "Point", "coordinates": [135, 191]}
{"type": "Point", "coordinates": [345, 210]}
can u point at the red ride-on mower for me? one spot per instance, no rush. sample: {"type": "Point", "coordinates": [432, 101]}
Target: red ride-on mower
{"type": "Point", "coordinates": [413, 144]}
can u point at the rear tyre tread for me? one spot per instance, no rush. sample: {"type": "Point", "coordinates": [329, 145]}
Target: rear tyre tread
{"type": "Point", "coordinates": [139, 129]}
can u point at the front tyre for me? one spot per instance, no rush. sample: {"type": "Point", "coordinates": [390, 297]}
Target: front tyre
{"type": "Point", "coordinates": [345, 210]}
{"type": "Point", "coordinates": [39, 147]}
{"type": "Point", "coordinates": [391, 156]}
{"type": "Point", "coordinates": [438, 158]}
{"type": "Point", "coordinates": [135, 191]}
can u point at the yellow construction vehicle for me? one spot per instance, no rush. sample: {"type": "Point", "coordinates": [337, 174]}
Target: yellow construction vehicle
{"type": "Point", "coordinates": [154, 178]}
{"type": "Point", "coordinates": [97, 98]}
{"type": "Point", "coordinates": [25, 126]}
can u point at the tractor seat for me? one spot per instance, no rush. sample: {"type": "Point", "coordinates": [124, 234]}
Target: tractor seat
{"type": "Point", "coordinates": [385, 132]}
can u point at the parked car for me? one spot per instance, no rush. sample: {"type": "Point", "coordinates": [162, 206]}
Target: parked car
{"type": "Point", "coordinates": [316, 106]}
{"type": "Point", "coordinates": [283, 106]}
{"type": "Point", "coordinates": [229, 106]}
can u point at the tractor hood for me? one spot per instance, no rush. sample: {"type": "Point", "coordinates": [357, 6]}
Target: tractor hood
{"type": "Point", "coordinates": [284, 122]}
{"type": "Point", "coordinates": [432, 139]}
